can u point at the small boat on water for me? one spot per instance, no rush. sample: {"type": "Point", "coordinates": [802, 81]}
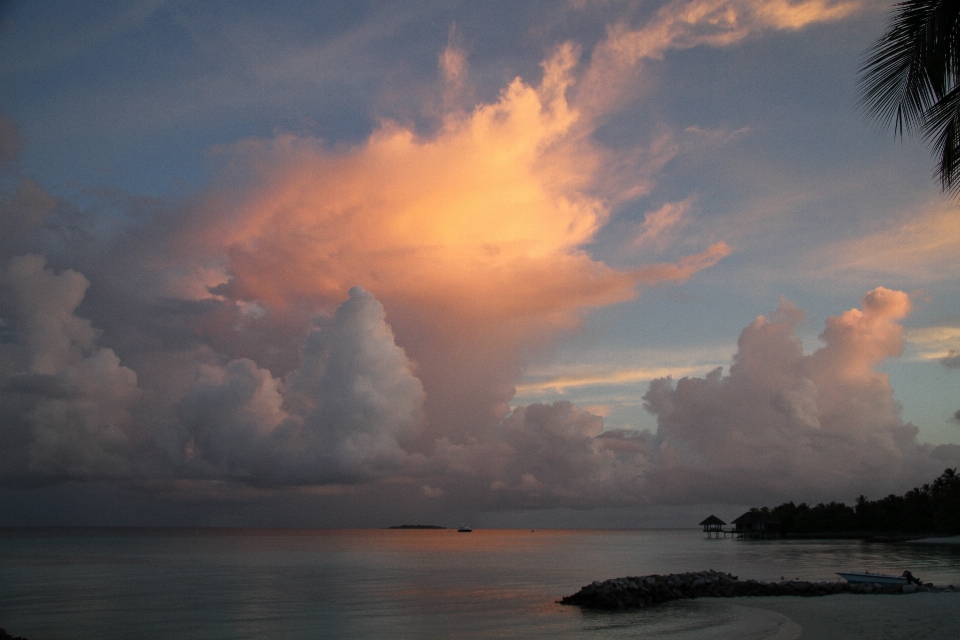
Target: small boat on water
{"type": "Point", "coordinates": [464, 529]}
{"type": "Point", "coordinates": [872, 578]}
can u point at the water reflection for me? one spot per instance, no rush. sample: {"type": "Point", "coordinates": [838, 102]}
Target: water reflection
{"type": "Point", "coordinates": [394, 583]}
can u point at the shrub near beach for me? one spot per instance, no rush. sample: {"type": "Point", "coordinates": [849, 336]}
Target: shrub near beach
{"type": "Point", "coordinates": [932, 508]}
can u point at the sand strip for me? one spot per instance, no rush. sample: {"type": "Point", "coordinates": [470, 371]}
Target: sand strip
{"type": "Point", "coordinates": [947, 540]}
{"type": "Point", "coordinates": [931, 616]}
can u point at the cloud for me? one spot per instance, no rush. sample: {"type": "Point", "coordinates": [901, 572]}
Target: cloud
{"type": "Point", "coordinates": [920, 248]}
{"type": "Point", "coordinates": [781, 425]}
{"type": "Point", "coordinates": [789, 15]}
{"type": "Point", "coordinates": [26, 208]}
{"type": "Point", "coordinates": [547, 455]}
{"type": "Point", "coordinates": [333, 317]}
{"type": "Point", "coordinates": [354, 411]}
{"type": "Point", "coordinates": [66, 402]}
{"type": "Point", "coordinates": [940, 343]}
{"type": "Point", "coordinates": [686, 267]}
{"type": "Point", "coordinates": [338, 418]}
{"type": "Point", "coordinates": [471, 237]}
{"type": "Point", "coordinates": [48, 334]}
{"type": "Point", "coordinates": [685, 24]}
{"type": "Point", "coordinates": [11, 141]}
{"type": "Point", "coordinates": [668, 219]}
{"type": "Point", "coordinates": [785, 425]}
{"type": "Point", "coordinates": [468, 239]}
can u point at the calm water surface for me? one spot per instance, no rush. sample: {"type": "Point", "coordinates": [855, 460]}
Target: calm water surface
{"type": "Point", "coordinates": [201, 584]}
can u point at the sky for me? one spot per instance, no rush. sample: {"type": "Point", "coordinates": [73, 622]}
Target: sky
{"type": "Point", "coordinates": [568, 263]}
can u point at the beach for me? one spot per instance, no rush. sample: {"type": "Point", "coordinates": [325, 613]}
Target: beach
{"type": "Point", "coordinates": [931, 616]}
{"type": "Point", "coordinates": [949, 540]}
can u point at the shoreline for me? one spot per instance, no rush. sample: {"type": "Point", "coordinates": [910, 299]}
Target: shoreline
{"type": "Point", "coordinates": [866, 536]}
{"type": "Point", "coordinates": [931, 616]}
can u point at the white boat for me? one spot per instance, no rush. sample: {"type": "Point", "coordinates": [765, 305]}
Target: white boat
{"type": "Point", "coordinates": [872, 578]}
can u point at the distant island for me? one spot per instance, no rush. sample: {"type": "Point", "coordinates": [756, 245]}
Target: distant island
{"type": "Point", "coordinates": [416, 526]}
{"type": "Point", "coordinates": [931, 509]}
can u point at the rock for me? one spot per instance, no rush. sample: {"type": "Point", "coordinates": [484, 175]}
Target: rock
{"type": "Point", "coordinates": [645, 591]}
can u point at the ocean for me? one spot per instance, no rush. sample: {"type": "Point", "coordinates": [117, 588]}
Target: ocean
{"type": "Point", "coordinates": [204, 584]}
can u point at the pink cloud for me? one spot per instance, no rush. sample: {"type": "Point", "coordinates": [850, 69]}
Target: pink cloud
{"type": "Point", "coordinates": [785, 425]}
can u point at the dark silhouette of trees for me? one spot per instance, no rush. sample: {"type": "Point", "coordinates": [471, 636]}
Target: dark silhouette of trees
{"type": "Point", "coordinates": [910, 78]}
{"type": "Point", "coordinates": [932, 508]}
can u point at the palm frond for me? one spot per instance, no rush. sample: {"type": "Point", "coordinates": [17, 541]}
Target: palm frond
{"type": "Point", "coordinates": [942, 130]}
{"type": "Point", "coordinates": [897, 83]}
{"type": "Point", "coordinates": [909, 79]}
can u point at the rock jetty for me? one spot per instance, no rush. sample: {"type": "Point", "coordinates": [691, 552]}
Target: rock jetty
{"type": "Point", "coordinates": [644, 591]}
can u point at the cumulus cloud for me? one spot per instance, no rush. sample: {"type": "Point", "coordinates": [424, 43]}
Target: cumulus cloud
{"type": "Point", "coordinates": [557, 455]}
{"type": "Point", "coordinates": [783, 423]}
{"type": "Point", "coordinates": [66, 402]}
{"type": "Point", "coordinates": [471, 237]}
{"type": "Point", "coordinates": [355, 392]}
{"type": "Point", "coordinates": [338, 418]}
{"type": "Point", "coordinates": [436, 264]}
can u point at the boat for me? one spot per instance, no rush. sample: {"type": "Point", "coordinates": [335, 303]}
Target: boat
{"type": "Point", "coordinates": [871, 578]}
{"type": "Point", "coordinates": [464, 529]}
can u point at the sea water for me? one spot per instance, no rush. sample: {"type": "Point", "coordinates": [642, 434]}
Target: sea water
{"type": "Point", "coordinates": [200, 584]}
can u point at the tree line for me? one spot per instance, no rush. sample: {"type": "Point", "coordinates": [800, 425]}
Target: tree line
{"type": "Point", "coordinates": [932, 508]}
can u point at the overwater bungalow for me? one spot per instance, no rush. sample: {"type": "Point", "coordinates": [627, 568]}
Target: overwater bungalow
{"type": "Point", "coordinates": [713, 527]}
{"type": "Point", "coordinates": [754, 525]}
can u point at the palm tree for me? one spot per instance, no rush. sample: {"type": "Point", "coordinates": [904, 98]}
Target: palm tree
{"type": "Point", "coordinates": [910, 79]}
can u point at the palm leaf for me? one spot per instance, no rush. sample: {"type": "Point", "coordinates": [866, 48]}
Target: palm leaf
{"type": "Point", "coordinates": [909, 79]}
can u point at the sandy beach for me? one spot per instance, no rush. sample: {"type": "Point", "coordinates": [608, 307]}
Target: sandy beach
{"type": "Point", "coordinates": [930, 616]}
{"type": "Point", "coordinates": [951, 540]}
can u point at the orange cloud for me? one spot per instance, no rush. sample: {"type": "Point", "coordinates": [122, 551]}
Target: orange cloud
{"type": "Point", "coordinates": [686, 267]}
{"type": "Point", "coordinates": [658, 224]}
{"type": "Point", "coordinates": [471, 238]}
{"type": "Point", "coordinates": [783, 14]}
{"type": "Point", "coordinates": [496, 202]}
{"type": "Point", "coordinates": [685, 24]}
